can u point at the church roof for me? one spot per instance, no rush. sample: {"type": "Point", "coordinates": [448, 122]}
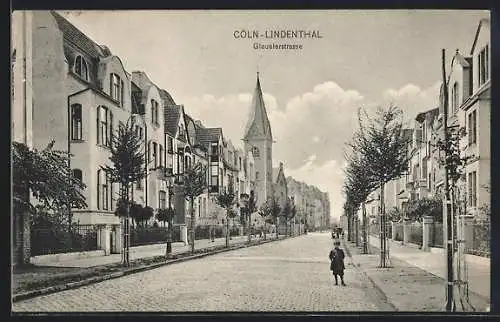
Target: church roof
{"type": "Point", "coordinates": [258, 125]}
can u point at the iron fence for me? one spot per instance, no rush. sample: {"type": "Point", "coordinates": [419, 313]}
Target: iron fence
{"type": "Point", "coordinates": [399, 232]}
{"type": "Point", "coordinates": [437, 237]}
{"type": "Point", "coordinates": [480, 242]}
{"type": "Point", "coordinates": [55, 240]}
{"type": "Point", "coordinates": [416, 233]}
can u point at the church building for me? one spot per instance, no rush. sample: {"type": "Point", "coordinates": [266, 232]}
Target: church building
{"type": "Point", "coordinates": [258, 139]}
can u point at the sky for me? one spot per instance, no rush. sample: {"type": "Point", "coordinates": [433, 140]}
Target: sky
{"type": "Point", "coordinates": [364, 59]}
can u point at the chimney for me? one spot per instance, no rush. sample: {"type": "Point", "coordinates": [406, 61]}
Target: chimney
{"type": "Point", "coordinates": [198, 122]}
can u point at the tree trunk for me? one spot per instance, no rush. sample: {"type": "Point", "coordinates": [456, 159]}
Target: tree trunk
{"type": "Point", "coordinates": [365, 241]}
{"type": "Point", "coordinates": [227, 228]}
{"type": "Point", "coordinates": [277, 228]}
{"type": "Point", "coordinates": [249, 225]}
{"type": "Point", "coordinates": [192, 234]}
{"type": "Point", "coordinates": [383, 239]}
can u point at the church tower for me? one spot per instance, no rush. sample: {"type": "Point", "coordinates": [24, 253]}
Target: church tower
{"type": "Point", "coordinates": [259, 139]}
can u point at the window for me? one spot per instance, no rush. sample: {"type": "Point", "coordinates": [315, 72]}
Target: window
{"type": "Point", "coordinates": [215, 180]}
{"type": "Point", "coordinates": [256, 152]}
{"type": "Point", "coordinates": [472, 130]}
{"type": "Point", "coordinates": [76, 122]}
{"type": "Point", "coordinates": [240, 163]}
{"type": "Point", "coordinates": [483, 65]}
{"type": "Point", "coordinates": [138, 185]}
{"type": "Point", "coordinates": [472, 189]}
{"type": "Point", "coordinates": [161, 154]}
{"type": "Point", "coordinates": [77, 174]}
{"type": "Point", "coordinates": [155, 154]}
{"type": "Point", "coordinates": [104, 126]}
{"type": "Point", "coordinates": [170, 146]}
{"type": "Point", "coordinates": [103, 192]}
{"type": "Point", "coordinates": [154, 112]}
{"type": "Point", "coordinates": [214, 149]}
{"type": "Point", "coordinates": [139, 131]}
{"type": "Point", "coordinates": [116, 88]}
{"type": "Point", "coordinates": [256, 175]}
{"type": "Point", "coordinates": [81, 68]}
{"type": "Point", "coordinates": [269, 153]}
{"type": "Point", "coordinates": [454, 98]}
{"type": "Point", "coordinates": [163, 199]}
{"type": "Point", "coordinates": [429, 183]}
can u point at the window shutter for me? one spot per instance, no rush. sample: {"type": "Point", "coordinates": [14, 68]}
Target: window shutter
{"type": "Point", "coordinates": [98, 187]}
{"type": "Point", "coordinates": [98, 124]}
{"type": "Point", "coordinates": [110, 139]}
{"type": "Point", "coordinates": [122, 90]}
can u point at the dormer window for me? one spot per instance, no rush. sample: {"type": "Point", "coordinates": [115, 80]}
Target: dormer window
{"type": "Point", "coordinates": [116, 88]}
{"type": "Point", "coordinates": [81, 68]}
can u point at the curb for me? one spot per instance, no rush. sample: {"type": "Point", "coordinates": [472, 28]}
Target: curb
{"type": "Point", "coordinates": [96, 279]}
{"type": "Point", "coordinates": [379, 290]}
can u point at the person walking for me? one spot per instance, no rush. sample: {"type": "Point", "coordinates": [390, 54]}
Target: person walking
{"type": "Point", "coordinates": [337, 263]}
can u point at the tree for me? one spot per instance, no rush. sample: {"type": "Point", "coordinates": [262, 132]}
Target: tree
{"type": "Point", "coordinates": [128, 162]}
{"type": "Point", "coordinates": [293, 214]}
{"type": "Point", "coordinates": [45, 176]}
{"type": "Point", "coordinates": [286, 213]}
{"type": "Point", "coordinates": [251, 209]}
{"type": "Point", "coordinates": [195, 184]}
{"type": "Point", "coordinates": [226, 201]}
{"type": "Point", "coordinates": [275, 212]}
{"type": "Point", "coordinates": [419, 208]}
{"type": "Point", "coordinates": [265, 211]}
{"type": "Point", "coordinates": [165, 215]}
{"type": "Point", "coordinates": [384, 152]}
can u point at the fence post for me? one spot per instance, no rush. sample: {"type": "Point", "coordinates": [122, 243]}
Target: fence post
{"type": "Point", "coordinates": [117, 240]}
{"type": "Point", "coordinates": [103, 239]}
{"type": "Point", "coordinates": [406, 231]}
{"type": "Point", "coordinates": [184, 235]}
{"type": "Point", "coordinates": [427, 231]}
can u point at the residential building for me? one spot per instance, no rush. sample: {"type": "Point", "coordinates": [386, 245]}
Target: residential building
{"type": "Point", "coordinates": [476, 107]}
{"type": "Point", "coordinates": [22, 116]}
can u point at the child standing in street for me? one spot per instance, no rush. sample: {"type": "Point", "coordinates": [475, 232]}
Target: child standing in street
{"type": "Point", "coordinates": [337, 263]}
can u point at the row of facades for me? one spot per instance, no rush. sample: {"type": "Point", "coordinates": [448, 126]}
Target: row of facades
{"type": "Point", "coordinates": [80, 93]}
{"type": "Point", "coordinates": [468, 83]}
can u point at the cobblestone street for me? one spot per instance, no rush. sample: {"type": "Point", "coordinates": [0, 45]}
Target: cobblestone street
{"type": "Point", "coordinates": [290, 275]}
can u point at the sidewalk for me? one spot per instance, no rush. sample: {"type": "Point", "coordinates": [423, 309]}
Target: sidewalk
{"type": "Point", "coordinates": [145, 251]}
{"type": "Point", "coordinates": [435, 263]}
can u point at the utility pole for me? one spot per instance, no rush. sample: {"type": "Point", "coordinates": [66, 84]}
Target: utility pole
{"type": "Point", "coordinates": [447, 207]}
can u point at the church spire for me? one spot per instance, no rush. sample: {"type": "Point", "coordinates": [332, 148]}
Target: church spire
{"type": "Point", "coordinates": [258, 126]}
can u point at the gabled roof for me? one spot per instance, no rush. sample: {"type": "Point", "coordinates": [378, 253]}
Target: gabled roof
{"type": "Point", "coordinates": [171, 116]}
{"type": "Point", "coordinates": [484, 21]}
{"type": "Point", "coordinates": [167, 98]}
{"type": "Point", "coordinates": [78, 38]}
{"type": "Point", "coordinates": [423, 115]}
{"type": "Point", "coordinates": [258, 125]}
{"type": "Point", "coordinates": [460, 59]}
{"type": "Point", "coordinates": [136, 94]}
{"type": "Point", "coordinates": [207, 135]}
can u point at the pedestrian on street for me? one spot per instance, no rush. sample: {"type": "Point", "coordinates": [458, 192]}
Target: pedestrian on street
{"type": "Point", "coordinates": [337, 263]}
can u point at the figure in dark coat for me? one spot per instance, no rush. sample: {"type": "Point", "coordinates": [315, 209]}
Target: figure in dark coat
{"type": "Point", "coordinates": [337, 263]}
